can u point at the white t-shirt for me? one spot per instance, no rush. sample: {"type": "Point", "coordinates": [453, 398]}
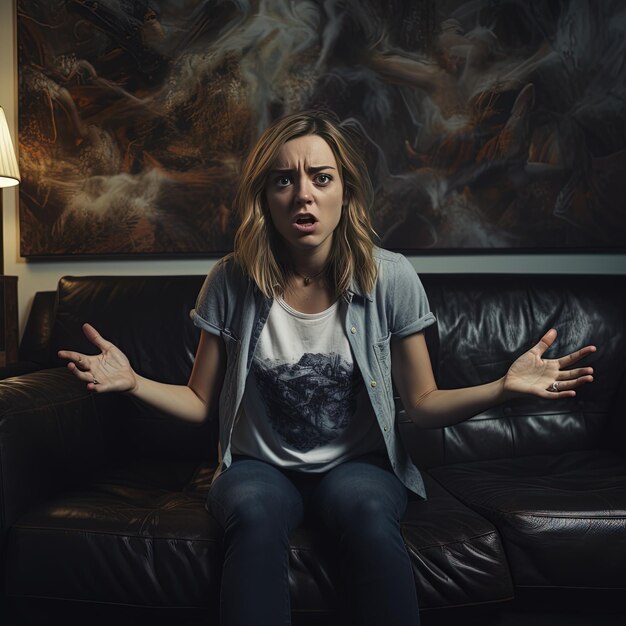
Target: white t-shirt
{"type": "Point", "coordinates": [305, 406]}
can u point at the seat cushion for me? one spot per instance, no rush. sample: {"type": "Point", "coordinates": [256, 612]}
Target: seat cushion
{"type": "Point", "coordinates": [562, 518]}
{"type": "Point", "coordinates": [137, 536]}
{"type": "Point", "coordinates": [141, 536]}
{"type": "Point", "coordinates": [457, 554]}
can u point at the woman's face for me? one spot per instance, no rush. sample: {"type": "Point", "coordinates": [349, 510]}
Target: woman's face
{"type": "Point", "coordinates": [304, 193]}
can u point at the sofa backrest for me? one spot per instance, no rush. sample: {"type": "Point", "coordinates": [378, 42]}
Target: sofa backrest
{"type": "Point", "coordinates": [148, 318]}
{"type": "Point", "coordinates": [484, 323]}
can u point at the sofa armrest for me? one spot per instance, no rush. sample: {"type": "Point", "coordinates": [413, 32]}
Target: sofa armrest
{"type": "Point", "coordinates": [35, 351]}
{"type": "Point", "coordinates": [36, 344]}
{"type": "Point", "coordinates": [19, 368]}
{"type": "Point", "coordinates": [53, 433]}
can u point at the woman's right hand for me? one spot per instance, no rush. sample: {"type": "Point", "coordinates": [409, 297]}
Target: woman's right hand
{"type": "Point", "coordinates": [108, 371]}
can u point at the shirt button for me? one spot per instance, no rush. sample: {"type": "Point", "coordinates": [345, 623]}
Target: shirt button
{"type": "Point", "coordinates": [353, 330]}
{"type": "Point", "coordinates": [385, 428]}
{"type": "Point", "coordinates": [372, 383]}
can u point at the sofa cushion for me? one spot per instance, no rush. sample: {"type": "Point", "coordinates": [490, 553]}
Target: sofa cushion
{"type": "Point", "coordinates": [484, 322]}
{"type": "Point", "coordinates": [145, 316]}
{"type": "Point", "coordinates": [458, 557]}
{"type": "Point", "coordinates": [138, 536]}
{"type": "Point", "coordinates": [141, 536]}
{"type": "Point", "coordinates": [562, 518]}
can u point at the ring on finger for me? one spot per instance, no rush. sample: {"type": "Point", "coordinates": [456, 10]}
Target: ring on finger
{"type": "Point", "coordinates": [94, 381]}
{"type": "Point", "coordinates": [554, 386]}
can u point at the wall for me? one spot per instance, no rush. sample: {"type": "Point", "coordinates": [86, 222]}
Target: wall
{"type": "Point", "coordinates": [36, 276]}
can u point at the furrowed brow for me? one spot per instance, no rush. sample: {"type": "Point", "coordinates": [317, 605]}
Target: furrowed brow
{"type": "Point", "coordinates": [314, 169]}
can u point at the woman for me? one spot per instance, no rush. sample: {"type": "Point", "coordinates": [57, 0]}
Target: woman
{"type": "Point", "coordinates": [303, 329]}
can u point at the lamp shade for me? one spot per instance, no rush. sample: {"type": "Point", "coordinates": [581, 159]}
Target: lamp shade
{"type": "Point", "coordinates": [9, 172]}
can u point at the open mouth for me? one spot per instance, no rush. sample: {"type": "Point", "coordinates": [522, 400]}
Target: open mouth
{"type": "Point", "coordinates": [305, 219]}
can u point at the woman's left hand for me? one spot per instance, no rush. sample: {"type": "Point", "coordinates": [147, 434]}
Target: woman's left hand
{"type": "Point", "coordinates": [548, 378]}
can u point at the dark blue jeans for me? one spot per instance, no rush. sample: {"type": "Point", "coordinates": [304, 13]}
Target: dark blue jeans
{"type": "Point", "coordinates": [360, 502]}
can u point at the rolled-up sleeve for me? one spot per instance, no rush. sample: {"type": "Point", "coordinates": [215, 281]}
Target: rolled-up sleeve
{"type": "Point", "coordinates": [410, 311]}
{"type": "Point", "coordinates": [210, 308]}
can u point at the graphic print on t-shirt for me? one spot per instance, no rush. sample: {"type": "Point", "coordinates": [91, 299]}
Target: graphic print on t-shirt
{"type": "Point", "coordinates": [308, 403]}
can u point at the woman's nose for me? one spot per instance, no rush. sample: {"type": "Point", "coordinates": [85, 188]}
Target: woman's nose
{"type": "Point", "coordinates": [303, 192]}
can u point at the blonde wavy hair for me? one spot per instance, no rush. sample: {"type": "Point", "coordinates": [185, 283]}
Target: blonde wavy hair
{"type": "Point", "coordinates": [257, 242]}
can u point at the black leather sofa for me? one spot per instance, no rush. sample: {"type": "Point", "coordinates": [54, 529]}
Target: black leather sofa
{"type": "Point", "coordinates": [102, 500]}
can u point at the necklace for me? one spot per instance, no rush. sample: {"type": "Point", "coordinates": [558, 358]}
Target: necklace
{"type": "Point", "coordinates": [307, 279]}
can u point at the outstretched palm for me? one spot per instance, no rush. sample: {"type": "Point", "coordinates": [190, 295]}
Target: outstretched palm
{"type": "Point", "coordinates": [108, 371]}
{"type": "Point", "coordinates": [532, 374]}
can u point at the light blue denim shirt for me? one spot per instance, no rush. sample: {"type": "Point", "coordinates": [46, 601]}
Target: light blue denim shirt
{"type": "Point", "coordinates": [230, 305]}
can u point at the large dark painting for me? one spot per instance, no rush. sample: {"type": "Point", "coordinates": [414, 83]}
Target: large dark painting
{"type": "Point", "coordinates": [486, 124]}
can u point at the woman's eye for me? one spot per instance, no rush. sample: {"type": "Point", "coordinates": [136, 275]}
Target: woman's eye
{"type": "Point", "coordinates": [323, 179]}
{"type": "Point", "coordinates": [283, 181]}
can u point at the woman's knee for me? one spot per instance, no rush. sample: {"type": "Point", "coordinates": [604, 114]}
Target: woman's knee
{"type": "Point", "coordinates": [360, 489]}
{"type": "Point", "coordinates": [258, 513]}
{"type": "Point", "coordinates": [255, 502]}
{"type": "Point", "coordinates": [372, 516]}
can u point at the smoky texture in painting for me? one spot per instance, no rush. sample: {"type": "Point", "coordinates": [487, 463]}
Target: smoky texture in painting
{"type": "Point", "coordinates": [486, 125]}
